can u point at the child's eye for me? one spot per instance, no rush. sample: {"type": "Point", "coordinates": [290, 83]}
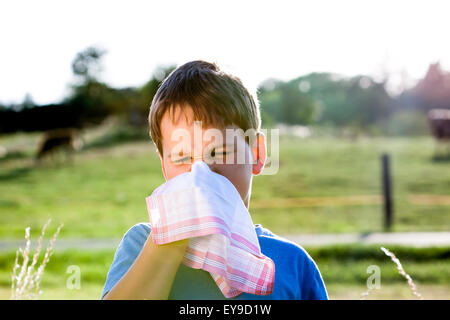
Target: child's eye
{"type": "Point", "coordinates": [215, 153]}
{"type": "Point", "coordinates": [183, 160]}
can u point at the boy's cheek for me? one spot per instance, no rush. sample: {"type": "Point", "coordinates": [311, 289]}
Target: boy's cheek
{"type": "Point", "coordinates": [173, 170]}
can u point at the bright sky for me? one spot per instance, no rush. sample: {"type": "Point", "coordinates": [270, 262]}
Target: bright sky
{"type": "Point", "coordinates": [256, 39]}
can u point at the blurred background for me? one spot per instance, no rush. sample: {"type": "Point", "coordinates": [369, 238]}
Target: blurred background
{"type": "Point", "coordinates": [345, 83]}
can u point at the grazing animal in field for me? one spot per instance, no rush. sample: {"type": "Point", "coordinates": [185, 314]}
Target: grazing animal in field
{"type": "Point", "coordinates": [54, 141]}
{"type": "Point", "coordinates": [439, 122]}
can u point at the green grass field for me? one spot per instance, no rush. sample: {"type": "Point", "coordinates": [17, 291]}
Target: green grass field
{"type": "Point", "coordinates": [101, 194]}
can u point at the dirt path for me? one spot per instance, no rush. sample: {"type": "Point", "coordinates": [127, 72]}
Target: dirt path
{"type": "Point", "coordinates": [417, 239]}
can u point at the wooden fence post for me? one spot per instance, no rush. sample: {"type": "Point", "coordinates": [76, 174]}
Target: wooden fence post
{"type": "Point", "coordinates": [387, 192]}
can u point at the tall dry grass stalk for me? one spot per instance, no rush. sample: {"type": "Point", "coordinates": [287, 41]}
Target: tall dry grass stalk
{"type": "Point", "coordinates": [25, 285]}
{"type": "Point", "coordinates": [403, 273]}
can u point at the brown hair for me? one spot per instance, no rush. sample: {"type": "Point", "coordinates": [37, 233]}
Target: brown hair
{"type": "Point", "coordinates": [216, 97]}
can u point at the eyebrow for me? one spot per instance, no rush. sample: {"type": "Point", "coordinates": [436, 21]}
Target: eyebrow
{"type": "Point", "coordinates": [224, 145]}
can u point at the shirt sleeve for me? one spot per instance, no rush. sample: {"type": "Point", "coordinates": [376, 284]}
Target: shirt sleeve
{"type": "Point", "coordinates": [126, 253]}
{"type": "Point", "coordinates": [314, 287]}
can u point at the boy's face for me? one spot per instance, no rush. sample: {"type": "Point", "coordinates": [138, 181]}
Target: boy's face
{"type": "Point", "coordinates": [184, 142]}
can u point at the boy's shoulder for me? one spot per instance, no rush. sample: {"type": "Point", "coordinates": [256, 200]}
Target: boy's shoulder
{"type": "Point", "coordinates": [139, 231]}
{"type": "Point", "coordinates": [299, 277]}
{"type": "Point", "coordinates": [269, 239]}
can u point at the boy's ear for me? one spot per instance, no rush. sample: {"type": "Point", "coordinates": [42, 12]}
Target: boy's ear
{"type": "Point", "coordinates": [259, 153]}
{"type": "Point", "coordinates": [162, 165]}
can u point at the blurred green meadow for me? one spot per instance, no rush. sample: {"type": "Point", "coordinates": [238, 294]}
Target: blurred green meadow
{"type": "Point", "coordinates": [101, 193]}
{"type": "Point", "coordinates": [324, 185]}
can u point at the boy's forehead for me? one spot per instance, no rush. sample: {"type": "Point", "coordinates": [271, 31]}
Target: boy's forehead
{"type": "Point", "coordinates": [176, 125]}
{"type": "Point", "coordinates": [183, 118]}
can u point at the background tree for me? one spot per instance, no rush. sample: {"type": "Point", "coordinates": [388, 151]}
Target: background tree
{"type": "Point", "coordinates": [87, 63]}
{"type": "Point", "coordinates": [91, 99]}
{"type": "Point", "coordinates": [284, 102]}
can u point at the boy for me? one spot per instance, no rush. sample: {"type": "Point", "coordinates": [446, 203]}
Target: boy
{"type": "Point", "coordinates": [200, 91]}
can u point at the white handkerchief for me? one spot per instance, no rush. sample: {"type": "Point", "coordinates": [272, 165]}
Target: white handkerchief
{"type": "Point", "coordinates": [206, 208]}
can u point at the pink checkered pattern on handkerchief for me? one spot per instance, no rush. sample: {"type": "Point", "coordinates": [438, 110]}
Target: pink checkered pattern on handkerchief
{"type": "Point", "coordinates": [206, 208]}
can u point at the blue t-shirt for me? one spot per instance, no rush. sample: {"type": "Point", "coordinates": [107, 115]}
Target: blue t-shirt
{"type": "Point", "coordinates": [296, 274]}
